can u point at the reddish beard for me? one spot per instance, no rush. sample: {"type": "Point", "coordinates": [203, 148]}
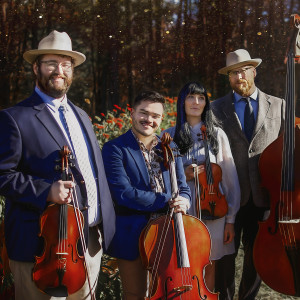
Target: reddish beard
{"type": "Point", "coordinates": [46, 85]}
{"type": "Point", "coordinates": [243, 87]}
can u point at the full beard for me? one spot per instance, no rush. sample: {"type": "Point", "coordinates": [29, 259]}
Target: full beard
{"type": "Point", "coordinates": [243, 87]}
{"type": "Point", "coordinates": [50, 89]}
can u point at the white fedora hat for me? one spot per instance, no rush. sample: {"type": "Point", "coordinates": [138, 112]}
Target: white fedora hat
{"type": "Point", "coordinates": [55, 43]}
{"type": "Point", "coordinates": [239, 58]}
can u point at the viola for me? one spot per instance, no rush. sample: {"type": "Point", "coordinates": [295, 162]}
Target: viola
{"type": "Point", "coordinates": [61, 270]}
{"type": "Point", "coordinates": [210, 202]}
{"type": "Point", "coordinates": [277, 245]}
{"type": "Point", "coordinates": [175, 249]}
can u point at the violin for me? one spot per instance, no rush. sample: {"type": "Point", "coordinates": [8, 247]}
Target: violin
{"type": "Point", "coordinates": [210, 202]}
{"type": "Point", "coordinates": [175, 249]}
{"type": "Point", "coordinates": [61, 270]}
{"type": "Point", "coordinates": [277, 245]}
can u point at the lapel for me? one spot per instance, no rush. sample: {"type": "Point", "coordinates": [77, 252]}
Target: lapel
{"type": "Point", "coordinates": [46, 119]}
{"type": "Point", "coordinates": [263, 109]}
{"type": "Point", "coordinates": [136, 153]}
{"type": "Point", "coordinates": [230, 114]}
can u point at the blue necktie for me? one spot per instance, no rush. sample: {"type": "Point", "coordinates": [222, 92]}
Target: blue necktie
{"type": "Point", "coordinates": [249, 121]}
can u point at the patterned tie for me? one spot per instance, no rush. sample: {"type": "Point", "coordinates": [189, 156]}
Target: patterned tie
{"type": "Point", "coordinates": [249, 121]}
{"type": "Point", "coordinates": [82, 155]}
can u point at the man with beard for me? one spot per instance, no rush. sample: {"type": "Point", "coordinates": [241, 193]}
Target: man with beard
{"type": "Point", "coordinates": [33, 132]}
{"type": "Point", "coordinates": [252, 120]}
{"type": "Point", "coordinates": [140, 187]}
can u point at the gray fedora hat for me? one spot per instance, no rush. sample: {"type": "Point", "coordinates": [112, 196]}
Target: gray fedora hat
{"type": "Point", "coordinates": [55, 43]}
{"type": "Point", "coordinates": [239, 58]}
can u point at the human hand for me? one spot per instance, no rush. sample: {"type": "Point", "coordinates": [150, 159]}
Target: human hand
{"type": "Point", "coordinates": [228, 233]}
{"type": "Point", "coordinates": [180, 204]}
{"type": "Point", "coordinates": [191, 169]}
{"type": "Point", "coordinates": [60, 192]}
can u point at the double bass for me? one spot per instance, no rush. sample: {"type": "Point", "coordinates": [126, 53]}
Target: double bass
{"type": "Point", "coordinates": [276, 251]}
{"type": "Point", "coordinates": [210, 202]}
{"type": "Point", "coordinates": [61, 270]}
{"type": "Point", "coordinates": [175, 249]}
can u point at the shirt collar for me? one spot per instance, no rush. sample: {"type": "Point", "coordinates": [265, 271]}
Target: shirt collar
{"type": "Point", "coordinates": [52, 103]}
{"type": "Point", "coordinates": [154, 142]}
{"type": "Point", "coordinates": [238, 97]}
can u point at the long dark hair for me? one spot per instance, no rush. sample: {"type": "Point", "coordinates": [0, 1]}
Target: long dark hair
{"type": "Point", "coordinates": [183, 137]}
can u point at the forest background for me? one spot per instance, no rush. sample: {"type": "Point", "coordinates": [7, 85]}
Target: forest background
{"type": "Point", "coordinates": [132, 45]}
{"type": "Point", "coordinates": [136, 44]}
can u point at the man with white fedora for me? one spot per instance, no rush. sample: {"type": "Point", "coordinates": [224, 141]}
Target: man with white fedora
{"type": "Point", "coordinates": [33, 132]}
{"type": "Point", "coordinates": [252, 120]}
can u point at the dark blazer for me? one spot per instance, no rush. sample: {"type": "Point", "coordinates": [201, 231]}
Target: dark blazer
{"type": "Point", "coordinates": [30, 144]}
{"type": "Point", "coordinates": [134, 200]}
{"type": "Point", "coordinates": [269, 124]}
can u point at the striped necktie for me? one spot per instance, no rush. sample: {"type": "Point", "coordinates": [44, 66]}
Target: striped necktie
{"type": "Point", "coordinates": [82, 155]}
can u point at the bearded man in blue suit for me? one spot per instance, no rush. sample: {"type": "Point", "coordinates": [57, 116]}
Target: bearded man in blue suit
{"type": "Point", "coordinates": [140, 187]}
{"type": "Point", "coordinates": [32, 134]}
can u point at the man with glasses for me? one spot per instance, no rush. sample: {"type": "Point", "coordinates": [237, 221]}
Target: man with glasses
{"type": "Point", "coordinates": [32, 134]}
{"type": "Point", "coordinates": [252, 120]}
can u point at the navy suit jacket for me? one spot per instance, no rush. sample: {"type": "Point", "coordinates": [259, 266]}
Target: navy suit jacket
{"type": "Point", "coordinates": [134, 199]}
{"type": "Point", "coordinates": [30, 144]}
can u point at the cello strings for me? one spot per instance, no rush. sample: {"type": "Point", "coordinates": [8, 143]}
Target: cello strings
{"type": "Point", "coordinates": [184, 260]}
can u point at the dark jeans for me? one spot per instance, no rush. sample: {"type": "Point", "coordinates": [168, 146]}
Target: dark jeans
{"type": "Point", "coordinates": [246, 227]}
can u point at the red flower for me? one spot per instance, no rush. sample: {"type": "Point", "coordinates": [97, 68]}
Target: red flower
{"type": "Point", "coordinates": [114, 110]}
{"type": "Point", "coordinates": [106, 135]}
{"type": "Point", "coordinates": [109, 121]}
{"type": "Point", "coordinates": [102, 114]}
{"type": "Point", "coordinates": [116, 106]}
{"type": "Point", "coordinates": [98, 126]}
{"type": "Point", "coordinates": [119, 125]}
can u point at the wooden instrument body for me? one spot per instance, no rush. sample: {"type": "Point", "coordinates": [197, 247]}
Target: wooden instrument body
{"type": "Point", "coordinates": [173, 281]}
{"type": "Point", "coordinates": [213, 203]}
{"type": "Point", "coordinates": [45, 273]}
{"type": "Point", "coordinates": [277, 262]}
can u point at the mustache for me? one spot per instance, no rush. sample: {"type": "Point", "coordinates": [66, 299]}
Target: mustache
{"type": "Point", "coordinates": [57, 75]}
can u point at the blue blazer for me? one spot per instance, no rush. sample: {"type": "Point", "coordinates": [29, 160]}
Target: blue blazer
{"type": "Point", "coordinates": [30, 144]}
{"type": "Point", "coordinates": [134, 200]}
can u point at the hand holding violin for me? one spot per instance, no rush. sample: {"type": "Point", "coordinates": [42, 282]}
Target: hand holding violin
{"type": "Point", "coordinates": [60, 192]}
{"type": "Point", "coordinates": [191, 170]}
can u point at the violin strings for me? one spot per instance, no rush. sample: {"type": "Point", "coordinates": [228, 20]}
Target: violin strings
{"type": "Point", "coordinates": [74, 200]}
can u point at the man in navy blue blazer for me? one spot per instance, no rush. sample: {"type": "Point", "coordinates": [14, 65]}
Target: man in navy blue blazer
{"type": "Point", "coordinates": [32, 134]}
{"type": "Point", "coordinates": [140, 187]}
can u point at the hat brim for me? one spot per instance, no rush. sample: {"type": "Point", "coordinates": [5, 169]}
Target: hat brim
{"type": "Point", "coordinates": [31, 55]}
{"type": "Point", "coordinates": [254, 62]}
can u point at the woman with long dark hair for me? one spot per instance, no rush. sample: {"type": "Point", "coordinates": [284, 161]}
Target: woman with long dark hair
{"type": "Point", "coordinates": [193, 110]}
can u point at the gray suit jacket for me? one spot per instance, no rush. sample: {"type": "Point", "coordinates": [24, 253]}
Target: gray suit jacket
{"type": "Point", "coordinates": [269, 124]}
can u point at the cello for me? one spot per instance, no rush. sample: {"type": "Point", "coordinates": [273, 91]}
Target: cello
{"type": "Point", "coordinates": [175, 249]}
{"type": "Point", "coordinates": [61, 270]}
{"type": "Point", "coordinates": [210, 202]}
{"type": "Point", "coordinates": [276, 251]}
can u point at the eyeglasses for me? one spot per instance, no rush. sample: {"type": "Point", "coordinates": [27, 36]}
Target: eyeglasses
{"type": "Point", "coordinates": [52, 65]}
{"type": "Point", "coordinates": [242, 72]}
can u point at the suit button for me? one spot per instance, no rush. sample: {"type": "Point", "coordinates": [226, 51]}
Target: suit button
{"type": "Point", "coordinates": [251, 150]}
